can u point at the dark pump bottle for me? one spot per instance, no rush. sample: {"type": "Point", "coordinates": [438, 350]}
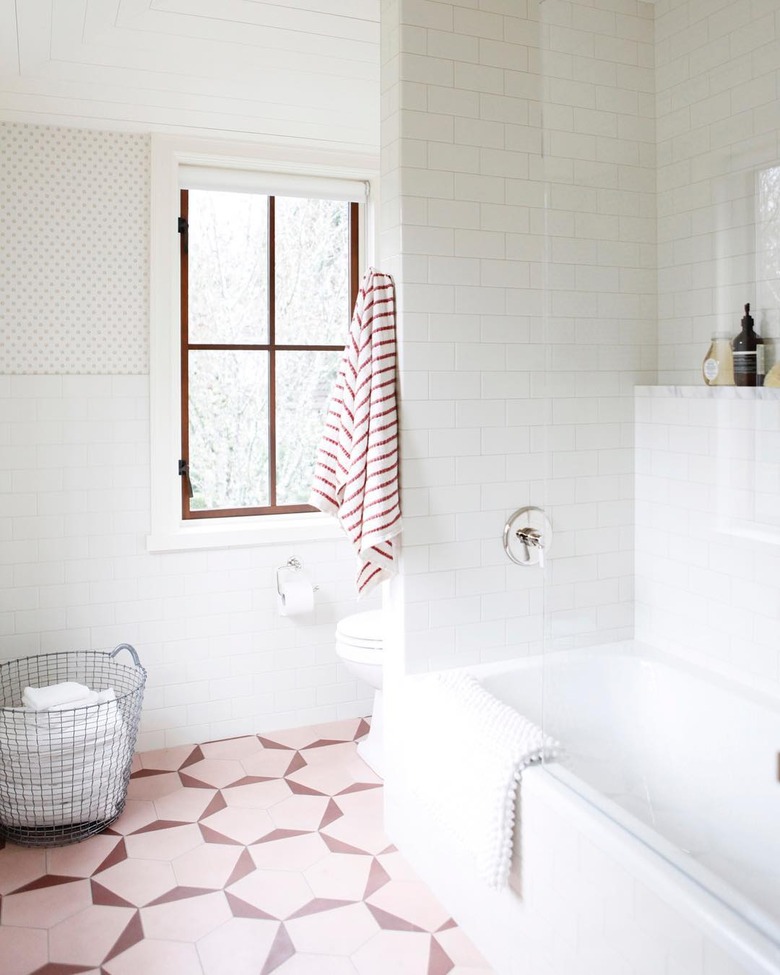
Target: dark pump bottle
{"type": "Point", "coordinates": [748, 354]}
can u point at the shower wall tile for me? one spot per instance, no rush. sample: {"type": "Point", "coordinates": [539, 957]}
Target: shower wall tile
{"type": "Point", "coordinates": [518, 358]}
{"type": "Point", "coordinates": [718, 150]}
{"type": "Point", "coordinates": [708, 527]}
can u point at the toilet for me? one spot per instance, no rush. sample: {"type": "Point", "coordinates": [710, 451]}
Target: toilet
{"type": "Point", "coordinates": [359, 646]}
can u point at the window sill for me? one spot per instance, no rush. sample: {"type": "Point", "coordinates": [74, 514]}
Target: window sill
{"type": "Point", "coordinates": [241, 532]}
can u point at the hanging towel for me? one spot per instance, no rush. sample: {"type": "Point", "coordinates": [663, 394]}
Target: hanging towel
{"type": "Point", "coordinates": [463, 753]}
{"type": "Point", "coordinates": [356, 474]}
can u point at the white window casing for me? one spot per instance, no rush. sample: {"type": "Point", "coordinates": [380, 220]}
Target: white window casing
{"type": "Point", "coordinates": [203, 164]}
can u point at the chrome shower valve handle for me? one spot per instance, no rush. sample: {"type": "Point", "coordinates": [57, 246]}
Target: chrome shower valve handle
{"type": "Point", "coordinates": [533, 533]}
{"type": "Point", "coordinates": [532, 539]}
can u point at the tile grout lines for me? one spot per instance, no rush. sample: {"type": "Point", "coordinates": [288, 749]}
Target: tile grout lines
{"type": "Point", "coordinates": [237, 845]}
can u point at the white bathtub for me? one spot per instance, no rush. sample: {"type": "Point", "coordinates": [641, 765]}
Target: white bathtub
{"type": "Point", "coordinates": [682, 760]}
{"type": "Point", "coordinates": [672, 771]}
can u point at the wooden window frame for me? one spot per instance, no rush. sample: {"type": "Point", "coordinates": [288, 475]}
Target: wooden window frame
{"type": "Point", "coordinates": [271, 347]}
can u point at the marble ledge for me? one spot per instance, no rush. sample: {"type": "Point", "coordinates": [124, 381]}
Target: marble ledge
{"type": "Point", "coordinates": [710, 392]}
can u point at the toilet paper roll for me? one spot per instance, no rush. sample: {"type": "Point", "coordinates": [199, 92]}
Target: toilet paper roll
{"type": "Point", "coordinates": [296, 593]}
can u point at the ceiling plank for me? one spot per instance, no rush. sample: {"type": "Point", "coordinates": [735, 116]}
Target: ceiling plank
{"type": "Point", "coordinates": [167, 29]}
{"type": "Point", "coordinates": [34, 32]}
{"type": "Point", "coordinates": [39, 104]}
{"type": "Point", "coordinates": [9, 44]}
{"type": "Point", "coordinates": [246, 12]}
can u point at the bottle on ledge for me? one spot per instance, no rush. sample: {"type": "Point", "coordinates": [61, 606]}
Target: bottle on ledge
{"type": "Point", "coordinates": [748, 351]}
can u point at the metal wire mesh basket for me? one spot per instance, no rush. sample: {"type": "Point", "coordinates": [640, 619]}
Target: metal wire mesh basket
{"type": "Point", "coordinates": [64, 773]}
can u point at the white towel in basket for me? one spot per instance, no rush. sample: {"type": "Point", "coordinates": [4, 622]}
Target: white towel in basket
{"type": "Point", "coordinates": [68, 693]}
{"type": "Point", "coordinates": [65, 764]}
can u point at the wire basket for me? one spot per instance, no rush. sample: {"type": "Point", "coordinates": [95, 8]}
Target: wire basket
{"type": "Point", "coordinates": [64, 773]}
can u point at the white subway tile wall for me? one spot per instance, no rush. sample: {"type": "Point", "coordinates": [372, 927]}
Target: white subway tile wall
{"type": "Point", "coordinates": [75, 574]}
{"type": "Point", "coordinates": [524, 326]}
{"type": "Point", "coordinates": [718, 126]}
{"type": "Point", "coordinates": [708, 527]}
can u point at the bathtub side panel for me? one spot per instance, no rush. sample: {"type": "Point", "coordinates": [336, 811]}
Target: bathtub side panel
{"type": "Point", "coordinates": [579, 907]}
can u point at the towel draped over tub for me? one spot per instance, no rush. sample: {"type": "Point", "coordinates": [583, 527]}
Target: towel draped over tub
{"type": "Point", "coordinates": [463, 753]}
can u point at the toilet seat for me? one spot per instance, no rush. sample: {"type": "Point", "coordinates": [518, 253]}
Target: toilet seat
{"type": "Point", "coordinates": [361, 630]}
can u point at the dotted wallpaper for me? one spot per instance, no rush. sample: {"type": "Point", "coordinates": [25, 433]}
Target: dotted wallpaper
{"type": "Point", "coordinates": [74, 251]}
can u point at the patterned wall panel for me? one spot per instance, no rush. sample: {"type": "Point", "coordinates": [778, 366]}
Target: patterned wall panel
{"type": "Point", "coordinates": [74, 244]}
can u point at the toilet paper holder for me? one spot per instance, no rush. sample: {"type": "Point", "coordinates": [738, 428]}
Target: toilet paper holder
{"type": "Point", "coordinates": [293, 564]}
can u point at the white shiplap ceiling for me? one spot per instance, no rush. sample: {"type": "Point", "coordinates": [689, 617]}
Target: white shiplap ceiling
{"type": "Point", "coordinates": [282, 71]}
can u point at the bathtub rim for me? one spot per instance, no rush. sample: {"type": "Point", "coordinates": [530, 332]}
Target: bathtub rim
{"type": "Point", "coordinates": [715, 918]}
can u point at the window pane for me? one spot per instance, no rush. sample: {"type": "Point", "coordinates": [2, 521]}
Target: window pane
{"type": "Point", "coordinates": [312, 271]}
{"type": "Point", "coordinates": [228, 416]}
{"type": "Point", "coordinates": [304, 381]}
{"type": "Point", "coordinates": [228, 267]}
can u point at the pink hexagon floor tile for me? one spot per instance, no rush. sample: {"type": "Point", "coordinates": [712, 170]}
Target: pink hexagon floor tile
{"type": "Point", "coordinates": [337, 754]}
{"type": "Point", "coordinates": [154, 957]}
{"type": "Point", "coordinates": [299, 812]}
{"type": "Point", "coordinates": [88, 937]}
{"type": "Point", "coordinates": [139, 881]}
{"type": "Point", "coordinates": [209, 865]}
{"type": "Point", "coordinates": [20, 866]}
{"type": "Point", "coordinates": [164, 844]}
{"type": "Point", "coordinates": [256, 795]}
{"type": "Point", "coordinates": [238, 947]}
{"type": "Point", "coordinates": [360, 834]}
{"type": "Point", "coordinates": [153, 785]}
{"type": "Point", "coordinates": [339, 931]}
{"type": "Point", "coordinates": [234, 749]}
{"type": "Point", "coordinates": [307, 736]}
{"type": "Point", "coordinates": [339, 876]}
{"type": "Point", "coordinates": [216, 772]}
{"type": "Point", "coordinates": [168, 759]}
{"type": "Point", "coordinates": [391, 952]}
{"type": "Point", "coordinates": [23, 950]}
{"type": "Point", "coordinates": [411, 902]}
{"type": "Point", "coordinates": [294, 852]}
{"type": "Point", "coordinates": [185, 805]}
{"type": "Point", "coordinates": [365, 804]}
{"type": "Point", "coordinates": [46, 906]}
{"type": "Point", "coordinates": [239, 824]}
{"type": "Point", "coordinates": [79, 859]}
{"type": "Point", "coordinates": [279, 894]}
{"type": "Point", "coordinates": [268, 762]}
{"type": "Point", "coordinates": [301, 964]}
{"type": "Point", "coordinates": [329, 778]}
{"type": "Point", "coordinates": [137, 814]}
{"type": "Point", "coordinates": [187, 919]}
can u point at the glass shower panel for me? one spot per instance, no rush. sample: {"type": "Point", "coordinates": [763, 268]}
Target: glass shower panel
{"type": "Point", "coordinates": [660, 674]}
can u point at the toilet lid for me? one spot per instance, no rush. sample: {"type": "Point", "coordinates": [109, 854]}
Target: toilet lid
{"type": "Point", "coordinates": [361, 629]}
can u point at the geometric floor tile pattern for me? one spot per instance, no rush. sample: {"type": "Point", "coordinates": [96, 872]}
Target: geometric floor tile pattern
{"type": "Point", "coordinates": [248, 856]}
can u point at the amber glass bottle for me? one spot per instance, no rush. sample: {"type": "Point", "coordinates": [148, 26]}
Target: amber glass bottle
{"type": "Point", "coordinates": [748, 351]}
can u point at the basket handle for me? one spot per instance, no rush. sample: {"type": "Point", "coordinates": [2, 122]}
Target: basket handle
{"type": "Point", "coordinates": [128, 647]}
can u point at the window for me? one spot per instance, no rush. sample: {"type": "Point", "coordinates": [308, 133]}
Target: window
{"type": "Point", "coordinates": [250, 327]}
{"type": "Point", "coordinates": [268, 284]}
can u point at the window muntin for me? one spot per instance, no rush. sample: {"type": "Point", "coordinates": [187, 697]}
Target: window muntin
{"type": "Point", "coordinates": [267, 288]}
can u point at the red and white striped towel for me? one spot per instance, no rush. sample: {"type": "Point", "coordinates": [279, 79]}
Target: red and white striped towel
{"type": "Point", "coordinates": [356, 474]}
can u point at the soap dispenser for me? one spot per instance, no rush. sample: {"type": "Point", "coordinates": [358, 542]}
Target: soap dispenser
{"type": "Point", "coordinates": [748, 349]}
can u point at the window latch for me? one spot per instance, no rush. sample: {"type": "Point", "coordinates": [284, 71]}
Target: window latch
{"type": "Point", "coordinates": [184, 471]}
{"type": "Point", "coordinates": [183, 228]}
